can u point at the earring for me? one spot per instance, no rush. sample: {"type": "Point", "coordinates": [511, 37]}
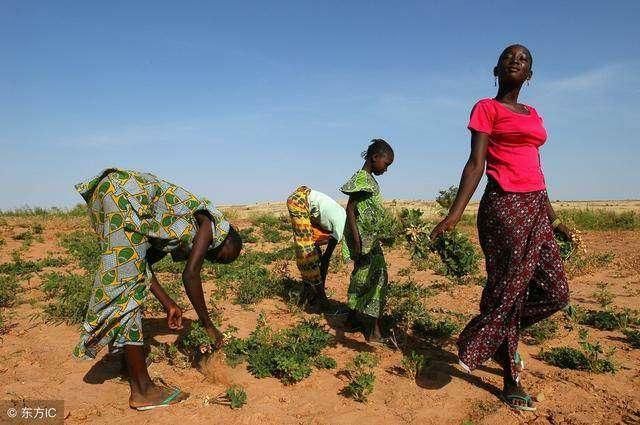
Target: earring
{"type": "Point", "coordinates": [495, 81]}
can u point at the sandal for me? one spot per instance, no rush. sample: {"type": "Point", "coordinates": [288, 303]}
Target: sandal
{"type": "Point", "coordinates": [164, 403]}
{"type": "Point", "coordinates": [518, 394]}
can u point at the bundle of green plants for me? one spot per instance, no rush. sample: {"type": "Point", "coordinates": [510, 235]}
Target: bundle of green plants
{"type": "Point", "coordinates": [457, 252]}
{"type": "Point", "coordinates": [287, 354]}
{"type": "Point", "coordinates": [633, 337]}
{"type": "Point", "coordinates": [360, 371]}
{"type": "Point", "coordinates": [413, 364]}
{"type": "Point", "coordinates": [9, 288]}
{"type": "Point", "coordinates": [68, 295]}
{"type": "Point", "coordinates": [591, 357]}
{"type": "Point", "coordinates": [540, 332]}
{"type": "Point", "coordinates": [564, 245]}
{"type": "Point", "coordinates": [85, 247]}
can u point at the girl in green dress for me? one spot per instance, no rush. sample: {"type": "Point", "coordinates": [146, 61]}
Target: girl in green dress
{"type": "Point", "coordinates": [140, 218]}
{"type": "Point", "coordinates": [369, 280]}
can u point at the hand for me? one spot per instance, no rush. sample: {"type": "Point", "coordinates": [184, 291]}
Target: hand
{"type": "Point", "coordinates": [565, 232]}
{"type": "Point", "coordinates": [215, 336]}
{"type": "Point", "coordinates": [445, 225]}
{"type": "Point", "coordinates": [174, 316]}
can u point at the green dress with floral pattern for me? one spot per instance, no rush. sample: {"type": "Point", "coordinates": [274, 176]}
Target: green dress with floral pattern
{"type": "Point", "coordinates": [132, 212]}
{"type": "Point", "coordinates": [369, 279]}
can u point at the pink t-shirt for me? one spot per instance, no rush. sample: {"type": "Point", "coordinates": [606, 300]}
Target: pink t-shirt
{"type": "Point", "coordinates": [513, 160]}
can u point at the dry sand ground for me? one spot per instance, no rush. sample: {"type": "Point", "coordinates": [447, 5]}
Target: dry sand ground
{"type": "Point", "coordinates": [35, 360]}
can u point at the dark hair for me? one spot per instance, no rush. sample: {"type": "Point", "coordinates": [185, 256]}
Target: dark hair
{"type": "Point", "coordinates": [377, 147]}
{"type": "Point", "coordinates": [521, 46]}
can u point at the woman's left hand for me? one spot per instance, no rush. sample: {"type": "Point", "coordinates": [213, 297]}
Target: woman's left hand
{"type": "Point", "coordinates": [564, 231]}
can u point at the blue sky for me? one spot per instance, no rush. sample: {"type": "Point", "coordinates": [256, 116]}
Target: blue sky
{"type": "Point", "coordinates": [241, 102]}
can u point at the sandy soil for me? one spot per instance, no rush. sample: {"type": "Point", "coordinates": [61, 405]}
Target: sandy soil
{"type": "Point", "coordinates": [35, 360]}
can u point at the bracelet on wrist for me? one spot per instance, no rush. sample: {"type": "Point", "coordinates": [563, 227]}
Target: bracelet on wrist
{"type": "Point", "coordinates": [556, 223]}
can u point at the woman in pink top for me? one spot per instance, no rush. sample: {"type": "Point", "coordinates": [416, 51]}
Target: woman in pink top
{"type": "Point", "coordinates": [525, 276]}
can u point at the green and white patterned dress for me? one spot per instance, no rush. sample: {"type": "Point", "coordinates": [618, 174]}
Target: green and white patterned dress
{"type": "Point", "coordinates": [131, 212]}
{"type": "Point", "coordinates": [369, 280]}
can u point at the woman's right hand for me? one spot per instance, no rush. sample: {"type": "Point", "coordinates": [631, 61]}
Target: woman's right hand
{"type": "Point", "coordinates": [216, 336]}
{"type": "Point", "coordinates": [445, 225]}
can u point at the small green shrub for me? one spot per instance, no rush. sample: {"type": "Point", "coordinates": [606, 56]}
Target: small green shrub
{"type": "Point", "coordinates": [325, 362]}
{"type": "Point", "coordinates": [607, 320]}
{"type": "Point", "coordinates": [69, 295]}
{"type": "Point", "coordinates": [540, 332]}
{"type": "Point", "coordinates": [633, 337]}
{"type": "Point", "coordinates": [360, 372]}
{"type": "Point", "coordinates": [603, 295]}
{"type": "Point", "coordinates": [413, 364]}
{"type": "Point", "coordinates": [9, 288]}
{"type": "Point", "coordinates": [591, 357]}
{"type": "Point", "coordinates": [287, 354]}
{"type": "Point", "coordinates": [435, 329]}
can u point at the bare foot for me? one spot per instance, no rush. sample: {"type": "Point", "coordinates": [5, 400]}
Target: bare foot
{"type": "Point", "coordinates": [156, 396]}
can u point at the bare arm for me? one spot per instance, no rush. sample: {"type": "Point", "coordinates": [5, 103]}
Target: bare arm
{"type": "Point", "coordinates": [471, 175]}
{"type": "Point", "coordinates": [352, 225]}
{"type": "Point", "coordinates": [191, 274]}
{"type": "Point", "coordinates": [174, 314]}
{"type": "Point", "coordinates": [326, 257]}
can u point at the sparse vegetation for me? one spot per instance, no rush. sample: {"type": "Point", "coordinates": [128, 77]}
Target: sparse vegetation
{"type": "Point", "coordinates": [540, 332]}
{"type": "Point", "coordinates": [591, 357]}
{"type": "Point", "coordinates": [84, 246]}
{"type": "Point", "coordinates": [599, 219]}
{"type": "Point", "coordinates": [9, 287]}
{"type": "Point", "coordinates": [68, 295]}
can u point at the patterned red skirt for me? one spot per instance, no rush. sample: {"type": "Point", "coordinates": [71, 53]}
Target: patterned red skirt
{"type": "Point", "coordinates": [526, 282]}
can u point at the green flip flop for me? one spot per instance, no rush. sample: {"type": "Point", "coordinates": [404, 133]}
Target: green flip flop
{"type": "Point", "coordinates": [509, 398]}
{"type": "Point", "coordinates": [166, 402]}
